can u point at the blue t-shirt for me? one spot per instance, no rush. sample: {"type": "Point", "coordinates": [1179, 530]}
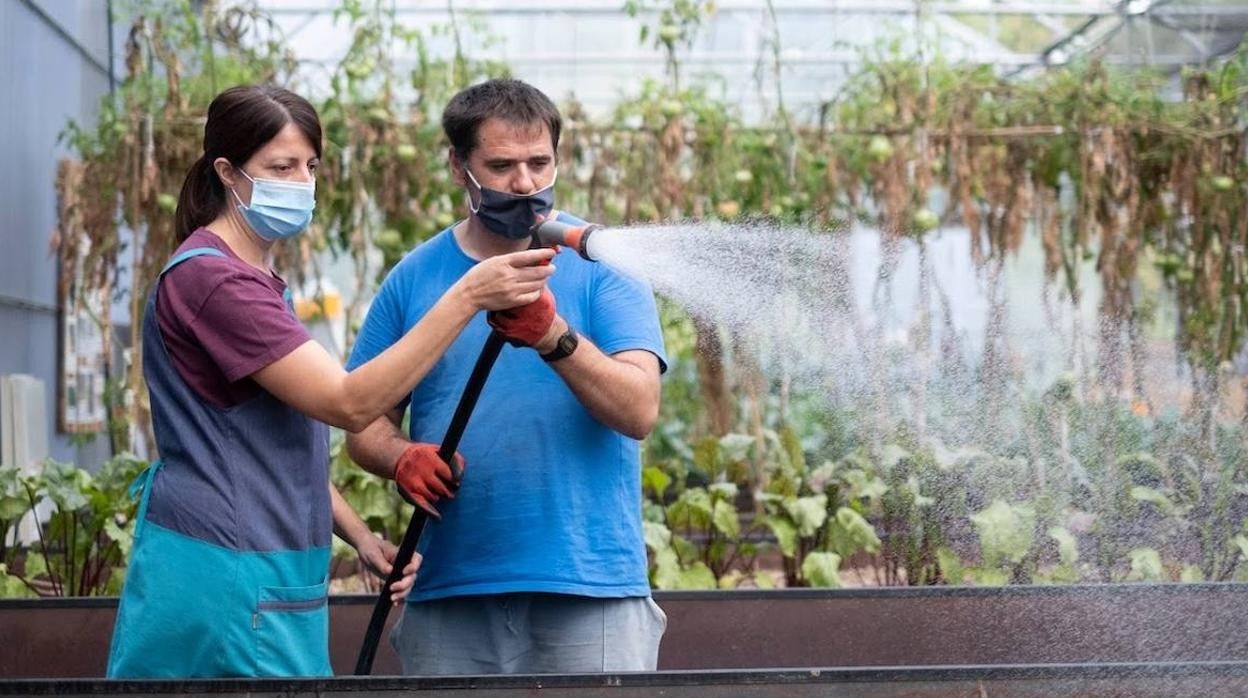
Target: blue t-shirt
{"type": "Point", "coordinates": [551, 498]}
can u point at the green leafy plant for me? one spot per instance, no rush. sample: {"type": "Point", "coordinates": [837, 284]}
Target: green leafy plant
{"type": "Point", "coordinates": [698, 540]}
{"type": "Point", "coordinates": [85, 542]}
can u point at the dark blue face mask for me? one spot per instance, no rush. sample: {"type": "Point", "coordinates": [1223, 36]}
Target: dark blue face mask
{"type": "Point", "coordinates": [511, 215]}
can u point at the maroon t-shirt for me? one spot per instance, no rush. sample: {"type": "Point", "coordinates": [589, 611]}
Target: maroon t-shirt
{"type": "Point", "coordinates": [222, 320]}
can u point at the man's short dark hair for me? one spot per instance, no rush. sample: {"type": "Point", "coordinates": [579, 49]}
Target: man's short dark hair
{"type": "Point", "coordinates": [513, 101]}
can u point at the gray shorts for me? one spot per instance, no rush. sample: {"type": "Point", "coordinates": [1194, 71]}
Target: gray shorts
{"type": "Point", "coordinates": [529, 634]}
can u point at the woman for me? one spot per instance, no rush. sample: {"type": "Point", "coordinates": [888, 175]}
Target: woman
{"type": "Point", "coordinates": [228, 575]}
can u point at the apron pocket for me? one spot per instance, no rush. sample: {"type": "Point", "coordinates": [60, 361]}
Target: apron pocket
{"type": "Point", "coordinates": [291, 626]}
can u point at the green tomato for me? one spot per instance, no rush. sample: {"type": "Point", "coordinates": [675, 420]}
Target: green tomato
{"type": "Point", "coordinates": [880, 148]}
{"type": "Point", "coordinates": [1222, 183]}
{"type": "Point", "coordinates": [389, 239]}
{"type": "Point", "coordinates": [925, 220]}
{"type": "Point", "coordinates": [743, 176]}
{"type": "Point", "coordinates": [361, 68]}
{"type": "Point", "coordinates": [405, 152]}
{"type": "Point", "coordinates": [671, 107]}
{"type": "Point", "coordinates": [167, 203]}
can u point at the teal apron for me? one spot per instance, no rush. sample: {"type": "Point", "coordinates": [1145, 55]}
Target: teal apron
{"type": "Point", "coordinates": [228, 573]}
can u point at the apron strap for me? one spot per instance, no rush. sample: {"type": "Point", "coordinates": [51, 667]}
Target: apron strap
{"type": "Point", "coordinates": [141, 486]}
{"type": "Point", "coordinates": [287, 296]}
{"type": "Point", "coordinates": [190, 254]}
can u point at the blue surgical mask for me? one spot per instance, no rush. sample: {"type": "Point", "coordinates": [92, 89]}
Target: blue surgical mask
{"type": "Point", "coordinates": [511, 215]}
{"type": "Point", "coordinates": [278, 209]}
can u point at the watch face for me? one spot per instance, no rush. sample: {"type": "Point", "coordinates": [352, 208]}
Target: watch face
{"type": "Point", "coordinates": [565, 346]}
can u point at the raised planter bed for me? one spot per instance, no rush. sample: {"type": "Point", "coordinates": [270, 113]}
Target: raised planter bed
{"type": "Point", "coordinates": [1100, 633]}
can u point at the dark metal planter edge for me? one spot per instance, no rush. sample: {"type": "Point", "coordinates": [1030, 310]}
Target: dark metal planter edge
{"type": "Point", "coordinates": [1167, 670]}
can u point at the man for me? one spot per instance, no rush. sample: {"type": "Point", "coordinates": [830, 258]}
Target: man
{"type": "Point", "coordinates": [537, 563]}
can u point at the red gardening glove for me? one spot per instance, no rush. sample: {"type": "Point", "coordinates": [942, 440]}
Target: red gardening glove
{"type": "Point", "coordinates": [423, 477]}
{"type": "Point", "coordinates": [526, 325]}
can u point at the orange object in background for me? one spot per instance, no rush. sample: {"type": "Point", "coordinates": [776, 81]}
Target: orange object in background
{"type": "Point", "coordinates": [325, 305]}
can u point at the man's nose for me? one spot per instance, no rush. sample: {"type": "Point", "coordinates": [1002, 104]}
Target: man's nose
{"type": "Point", "coordinates": [523, 180]}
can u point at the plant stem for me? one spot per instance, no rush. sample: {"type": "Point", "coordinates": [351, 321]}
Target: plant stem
{"type": "Point", "coordinates": [43, 544]}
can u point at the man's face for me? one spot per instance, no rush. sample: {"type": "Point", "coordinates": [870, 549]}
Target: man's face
{"type": "Point", "coordinates": [517, 159]}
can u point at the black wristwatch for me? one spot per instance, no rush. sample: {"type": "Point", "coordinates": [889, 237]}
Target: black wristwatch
{"type": "Point", "coordinates": [564, 347]}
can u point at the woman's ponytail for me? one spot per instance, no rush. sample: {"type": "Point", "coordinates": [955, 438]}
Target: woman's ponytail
{"type": "Point", "coordinates": [201, 199]}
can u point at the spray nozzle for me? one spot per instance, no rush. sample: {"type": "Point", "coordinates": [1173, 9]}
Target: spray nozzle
{"type": "Point", "coordinates": [553, 232]}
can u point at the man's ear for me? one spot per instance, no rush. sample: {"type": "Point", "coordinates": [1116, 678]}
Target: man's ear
{"type": "Point", "coordinates": [457, 167]}
{"type": "Point", "coordinates": [226, 172]}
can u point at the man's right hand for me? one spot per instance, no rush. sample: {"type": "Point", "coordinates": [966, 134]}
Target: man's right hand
{"type": "Point", "coordinates": [424, 478]}
{"type": "Point", "coordinates": [508, 280]}
{"type": "Point", "coordinates": [527, 325]}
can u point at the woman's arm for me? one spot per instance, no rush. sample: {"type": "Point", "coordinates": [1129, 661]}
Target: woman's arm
{"type": "Point", "coordinates": [312, 381]}
{"type": "Point", "coordinates": [376, 554]}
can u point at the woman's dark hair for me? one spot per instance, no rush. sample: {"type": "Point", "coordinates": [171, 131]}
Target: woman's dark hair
{"type": "Point", "coordinates": [240, 121]}
{"type": "Point", "coordinates": [513, 101]}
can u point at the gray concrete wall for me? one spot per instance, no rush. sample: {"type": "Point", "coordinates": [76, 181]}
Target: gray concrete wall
{"type": "Point", "coordinates": [54, 58]}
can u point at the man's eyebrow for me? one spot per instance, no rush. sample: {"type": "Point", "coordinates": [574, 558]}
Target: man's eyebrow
{"type": "Point", "coordinates": [501, 160]}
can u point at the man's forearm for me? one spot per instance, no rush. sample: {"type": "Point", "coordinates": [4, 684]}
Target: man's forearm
{"type": "Point", "coordinates": [621, 391]}
{"type": "Point", "coordinates": [377, 447]}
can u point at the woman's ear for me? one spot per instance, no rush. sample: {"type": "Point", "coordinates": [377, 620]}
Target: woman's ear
{"type": "Point", "coordinates": [226, 172]}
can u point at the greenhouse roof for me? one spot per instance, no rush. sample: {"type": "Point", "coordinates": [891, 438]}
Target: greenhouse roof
{"type": "Point", "coordinates": [593, 50]}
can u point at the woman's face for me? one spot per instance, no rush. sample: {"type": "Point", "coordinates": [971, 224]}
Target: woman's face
{"type": "Point", "coordinates": [288, 157]}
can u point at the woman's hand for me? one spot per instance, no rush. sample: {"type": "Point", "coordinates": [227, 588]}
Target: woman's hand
{"type": "Point", "coordinates": [377, 556]}
{"type": "Point", "coordinates": [507, 280]}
